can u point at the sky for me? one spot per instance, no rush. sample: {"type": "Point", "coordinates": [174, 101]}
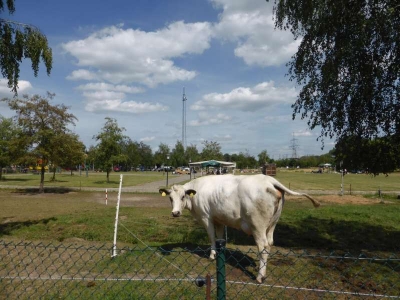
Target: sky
{"type": "Point", "coordinates": [131, 61]}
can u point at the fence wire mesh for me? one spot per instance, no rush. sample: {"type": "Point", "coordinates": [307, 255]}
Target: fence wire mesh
{"type": "Point", "coordinates": [31, 270]}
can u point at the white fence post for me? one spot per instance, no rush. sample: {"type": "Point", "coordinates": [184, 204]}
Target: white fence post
{"type": "Point", "coordinates": [116, 218]}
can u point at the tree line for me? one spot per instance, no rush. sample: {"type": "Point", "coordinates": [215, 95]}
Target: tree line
{"type": "Point", "coordinates": [39, 136]}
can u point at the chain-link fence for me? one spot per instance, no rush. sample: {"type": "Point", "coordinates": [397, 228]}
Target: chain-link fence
{"type": "Point", "coordinates": [81, 271]}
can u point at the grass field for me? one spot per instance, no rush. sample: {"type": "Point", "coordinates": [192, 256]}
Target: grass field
{"type": "Point", "coordinates": [57, 217]}
{"type": "Point", "coordinates": [332, 181]}
{"type": "Point", "coordinates": [296, 180]}
{"type": "Point", "coordinates": [97, 180]}
{"type": "Point", "coordinates": [82, 219]}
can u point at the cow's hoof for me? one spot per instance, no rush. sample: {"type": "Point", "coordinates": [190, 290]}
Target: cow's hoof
{"type": "Point", "coordinates": [260, 279]}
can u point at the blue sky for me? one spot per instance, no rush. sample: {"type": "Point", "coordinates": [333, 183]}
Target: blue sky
{"type": "Point", "coordinates": [130, 60]}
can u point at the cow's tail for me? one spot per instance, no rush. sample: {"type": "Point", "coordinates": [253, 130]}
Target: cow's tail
{"type": "Point", "coordinates": [279, 186]}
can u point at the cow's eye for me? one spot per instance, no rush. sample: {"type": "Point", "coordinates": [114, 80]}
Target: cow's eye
{"type": "Point", "coordinates": [183, 197]}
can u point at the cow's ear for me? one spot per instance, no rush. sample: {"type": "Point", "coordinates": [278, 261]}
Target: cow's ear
{"type": "Point", "coordinates": [191, 193]}
{"type": "Point", "coordinates": [164, 192]}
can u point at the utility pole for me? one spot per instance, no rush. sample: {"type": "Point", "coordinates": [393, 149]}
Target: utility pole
{"type": "Point", "coordinates": [184, 119]}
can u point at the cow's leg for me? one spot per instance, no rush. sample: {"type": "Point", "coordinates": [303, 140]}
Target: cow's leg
{"type": "Point", "coordinates": [263, 251]}
{"type": "Point", "coordinates": [209, 225]}
{"type": "Point", "coordinates": [219, 229]}
{"type": "Point", "coordinates": [270, 235]}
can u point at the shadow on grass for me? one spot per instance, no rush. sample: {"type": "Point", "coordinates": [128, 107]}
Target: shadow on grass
{"type": "Point", "coordinates": [9, 227]}
{"type": "Point", "coordinates": [315, 233]}
{"type": "Point", "coordinates": [5, 179]}
{"type": "Point", "coordinates": [105, 182]}
{"type": "Point", "coordinates": [235, 258]}
{"type": "Point", "coordinates": [47, 190]}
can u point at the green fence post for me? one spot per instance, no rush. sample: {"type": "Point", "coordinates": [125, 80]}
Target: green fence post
{"type": "Point", "coordinates": [221, 275]}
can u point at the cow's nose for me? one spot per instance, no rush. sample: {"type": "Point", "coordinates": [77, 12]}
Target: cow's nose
{"type": "Point", "coordinates": [176, 213]}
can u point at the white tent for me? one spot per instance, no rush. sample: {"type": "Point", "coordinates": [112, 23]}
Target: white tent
{"type": "Point", "coordinates": [214, 164]}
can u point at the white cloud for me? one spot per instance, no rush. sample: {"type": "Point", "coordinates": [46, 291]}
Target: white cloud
{"type": "Point", "coordinates": [5, 91]}
{"type": "Point", "coordinates": [126, 55]}
{"type": "Point", "coordinates": [102, 86]}
{"type": "Point", "coordinates": [209, 119]}
{"type": "Point", "coordinates": [247, 98]}
{"type": "Point", "coordinates": [101, 101]}
{"type": "Point", "coordinates": [251, 26]}
{"type": "Point", "coordinates": [82, 74]}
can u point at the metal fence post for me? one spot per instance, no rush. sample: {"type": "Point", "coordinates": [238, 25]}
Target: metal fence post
{"type": "Point", "coordinates": [221, 275]}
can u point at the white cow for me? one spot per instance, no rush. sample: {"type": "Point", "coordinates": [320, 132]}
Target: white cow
{"type": "Point", "coordinates": [251, 203]}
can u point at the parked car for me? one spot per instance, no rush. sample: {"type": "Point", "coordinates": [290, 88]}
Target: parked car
{"type": "Point", "coordinates": [169, 169]}
{"type": "Point", "coordinates": [182, 170]}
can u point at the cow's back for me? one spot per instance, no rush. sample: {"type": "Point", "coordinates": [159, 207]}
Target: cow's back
{"type": "Point", "coordinates": [231, 200]}
{"type": "Point", "coordinates": [258, 197]}
{"type": "Point", "coordinates": [216, 197]}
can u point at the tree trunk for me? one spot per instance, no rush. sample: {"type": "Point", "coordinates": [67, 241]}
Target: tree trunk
{"type": "Point", "coordinates": [41, 186]}
{"type": "Point", "coordinates": [54, 175]}
{"type": "Point", "coordinates": [108, 176]}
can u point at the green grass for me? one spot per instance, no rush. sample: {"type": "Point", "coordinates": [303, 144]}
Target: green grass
{"type": "Point", "coordinates": [74, 215]}
{"type": "Point", "coordinates": [73, 235]}
{"type": "Point", "coordinates": [98, 180]}
{"type": "Point", "coordinates": [296, 180]}
{"type": "Point", "coordinates": [300, 180]}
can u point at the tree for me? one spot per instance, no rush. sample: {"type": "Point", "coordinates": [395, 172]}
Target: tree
{"type": "Point", "coordinates": [178, 157]}
{"type": "Point", "coordinates": [245, 161]}
{"type": "Point", "coordinates": [20, 41]}
{"type": "Point", "coordinates": [366, 154]}
{"type": "Point", "coordinates": [40, 123]}
{"type": "Point", "coordinates": [8, 149]}
{"type": "Point", "coordinates": [65, 150]}
{"type": "Point", "coordinates": [160, 157]}
{"type": "Point", "coordinates": [146, 155]}
{"type": "Point", "coordinates": [211, 150]}
{"type": "Point", "coordinates": [91, 157]}
{"type": "Point", "coordinates": [348, 66]}
{"type": "Point", "coordinates": [109, 149]}
{"type": "Point", "coordinates": [263, 158]}
{"type": "Point", "coordinates": [192, 153]}
{"type": "Point", "coordinates": [227, 157]}
{"type": "Point", "coordinates": [131, 150]}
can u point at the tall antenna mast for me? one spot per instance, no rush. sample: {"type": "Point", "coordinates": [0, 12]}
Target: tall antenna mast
{"type": "Point", "coordinates": [294, 146]}
{"type": "Point", "coordinates": [184, 119]}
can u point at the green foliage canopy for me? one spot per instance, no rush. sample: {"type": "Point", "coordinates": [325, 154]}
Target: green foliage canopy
{"type": "Point", "coordinates": [348, 64]}
{"type": "Point", "coordinates": [8, 149]}
{"type": "Point", "coordinates": [41, 123]}
{"type": "Point", "coordinates": [178, 155]}
{"type": "Point", "coordinates": [109, 149]}
{"type": "Point", "coordinates": [211, 150]}
{"type": "Point", "coordinates": [20, 41]}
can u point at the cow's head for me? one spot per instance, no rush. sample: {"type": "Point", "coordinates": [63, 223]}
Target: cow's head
{"type": "Point", "coordinates": [179, 197]}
